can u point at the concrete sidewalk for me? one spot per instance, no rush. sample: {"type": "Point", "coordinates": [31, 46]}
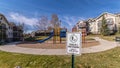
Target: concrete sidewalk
{"type": "Point", "coordinates": [104, 45]}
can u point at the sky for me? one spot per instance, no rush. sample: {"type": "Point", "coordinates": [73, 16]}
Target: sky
{"type": "Point", "coordinates": [68, 11]}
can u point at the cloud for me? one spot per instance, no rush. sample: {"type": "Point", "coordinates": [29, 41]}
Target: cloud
{"type": "Point", "coordinates": [67, 21]}
{"type": "Point", "coordinates": [70, 21]}
{"type": "Point", "coordinates": [19, 18]}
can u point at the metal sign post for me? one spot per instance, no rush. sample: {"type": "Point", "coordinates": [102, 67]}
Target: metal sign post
{"type": "Point", "coordinates": [72, 60]}
{"type": "Point", "coordinates": [74, 44]}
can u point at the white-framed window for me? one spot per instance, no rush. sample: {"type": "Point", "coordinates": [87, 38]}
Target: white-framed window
{"type": "Point", "coordinates": [110, 21]}
{"type": "Point", "coordinates": [99, 25]}
{"type": "Point", "coordinates": [110, 27]}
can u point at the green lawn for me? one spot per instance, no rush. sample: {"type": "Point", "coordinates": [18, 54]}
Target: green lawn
{"type": "Point", "coordinates": [58, 38]}
{"type": "Point", "coordinates": [43, 37]}
{"type": "Point", "coordinates": [109, 38]}
{"type": "Point", "coordinates": [40, 37]}
{"type": "Point", "coordinates": [89, 38]}
{"type": "Point", "coordinates": [107, 59]}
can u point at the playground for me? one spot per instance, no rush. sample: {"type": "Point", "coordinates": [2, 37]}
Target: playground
{"type": "Point", "coordinates": [56, 40]}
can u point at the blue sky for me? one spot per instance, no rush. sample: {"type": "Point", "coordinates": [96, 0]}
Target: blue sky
{"type": "Point", "coordinates": [69, 11]}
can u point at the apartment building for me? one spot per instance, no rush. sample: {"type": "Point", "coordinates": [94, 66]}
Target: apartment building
{"type": "Point", "coordinates": [94, 24]}
{"type": "Point", "coordinates": [7, 30]}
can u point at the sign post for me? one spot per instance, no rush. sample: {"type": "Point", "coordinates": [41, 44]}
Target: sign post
{"type": "Point", "coordinates": [72, 60]}
{"type": "Point", "coordinates": [74, 44]}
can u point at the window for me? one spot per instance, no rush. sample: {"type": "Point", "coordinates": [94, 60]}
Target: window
{"type": "Point", "coordinates": [1, 18]}
{"type": "Point", "coordinates": [99, 25]}
{"type": "Point", "coordinates": [110, 21]}
{"type": "Point", "coordinates": [3, 26]}
{"type": "Point", "coordinates": [110, 27]}
{"type": "Point", "coordinates": [9, 27]}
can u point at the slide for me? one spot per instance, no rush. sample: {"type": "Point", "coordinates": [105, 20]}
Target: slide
{"type": "Point", "coordinates": [41, 41]}
{"type": "Point", "coordinates": [63, 33]}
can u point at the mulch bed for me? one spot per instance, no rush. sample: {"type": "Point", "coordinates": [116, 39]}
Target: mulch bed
{"type": "Point", "coordinates": [50, 45]}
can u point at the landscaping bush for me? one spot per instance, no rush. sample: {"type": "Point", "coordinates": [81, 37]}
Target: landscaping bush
{"type": "Point", "coordinates": [30, 39]}
{"type": "Point", "coordinates": [2, 42]}
{"type": "Point", "coordinates": [40, 37]}
{"type": "Point", "coordinates": [104, 30]}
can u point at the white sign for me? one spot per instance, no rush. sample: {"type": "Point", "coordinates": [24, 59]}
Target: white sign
{"type": "Point", "coordinates": [74, 43]}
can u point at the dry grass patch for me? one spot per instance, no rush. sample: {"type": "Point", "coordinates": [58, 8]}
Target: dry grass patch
{"type": "Point", "coordinates": [50, 45]}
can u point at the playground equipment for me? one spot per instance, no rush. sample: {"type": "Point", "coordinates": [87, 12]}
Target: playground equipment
{"type": "Point", "coordinates": [62, 34]}
{"type": "Point", "coordinates": [57, 34]}
{"type": "Point", "coordinates": [83, 31]}
{"type": "Point", "coordinates": [51, 35]}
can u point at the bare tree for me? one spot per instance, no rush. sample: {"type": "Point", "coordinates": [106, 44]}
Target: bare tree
{"type": "Point", "coordinates": [42, 24]}
{"type": "Point", "coordinates": [55, 21]}
{"type": "Point", "coordinates": [24, 29]}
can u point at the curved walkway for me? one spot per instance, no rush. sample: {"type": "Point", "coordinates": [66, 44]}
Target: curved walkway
{"type": "Point", "coordinates": [104, 45]}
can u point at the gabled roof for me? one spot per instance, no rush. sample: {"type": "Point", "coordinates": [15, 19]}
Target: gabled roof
{"type": "Point", "coordinates": [94, 19]}
{"type": "Point", "coordinates": [4, 18]}
{"type": "Point", "coordinates": [104, 14]}
{"type": "Point", "coordinates": [82, 21]}
{"type": "Point", "coordinates": [91, 19]}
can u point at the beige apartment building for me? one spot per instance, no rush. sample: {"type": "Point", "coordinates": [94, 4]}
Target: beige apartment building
{"type": "Point", "coordinates": [5, 30]}
{"type": "Point", "coordinates": [113, 21]}
{"type": "Point", "coordinates": [9, 31]}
